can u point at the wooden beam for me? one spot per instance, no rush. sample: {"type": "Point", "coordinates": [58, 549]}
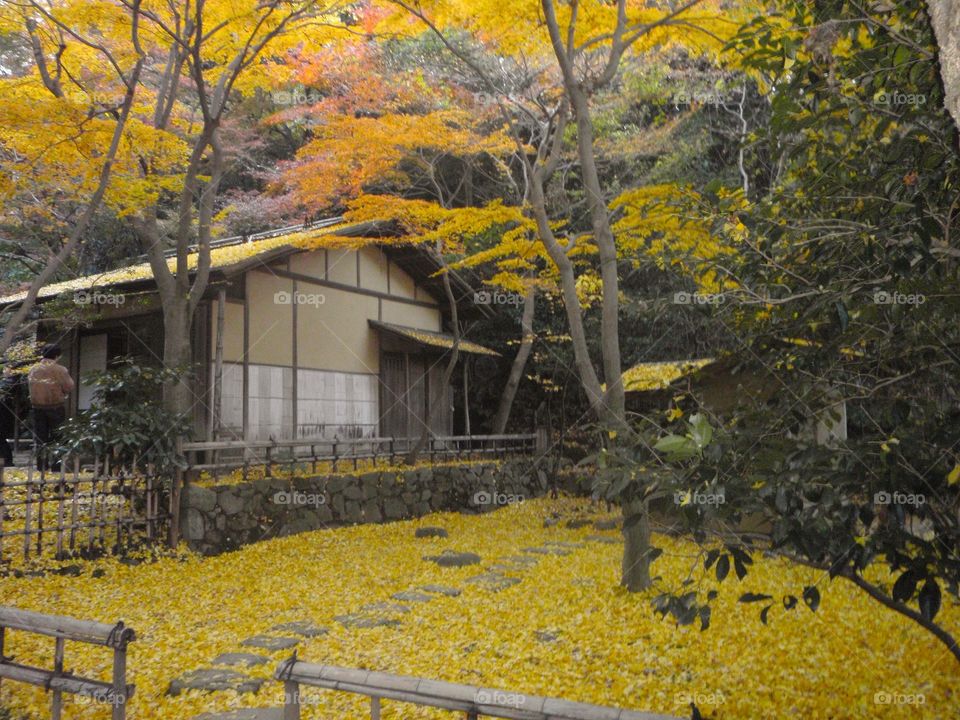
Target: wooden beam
{"type": "Point", "coordinates": [246, 361]}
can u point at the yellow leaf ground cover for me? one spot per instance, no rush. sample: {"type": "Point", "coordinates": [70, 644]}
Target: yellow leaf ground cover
{"type": "Point", "coordinates": [565, 630]}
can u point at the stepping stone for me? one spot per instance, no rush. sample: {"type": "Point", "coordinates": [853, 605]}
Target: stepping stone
{"type": "Point", "coordinates": [522, 560]}
{"type": "Point", "coordinates": [441, 590]}
{"type": "Point", "coordinates": [430, 532]}
{"type": "Point", "coordinates": [562, 544]}
{"type": "Point", "coordinates": [305, 628]}
{"type": "Point", "coordinates": [578, 523]}
{"type": "Point", "coordinates": [546, 551]}
{"type": "Point", "coordinates": [357, 620]}
{"type": "Point", "coordinates": [494, 581]}
{"type": "Point", "coordinates": [449, 558]}
{"type": "Point", "coordinates": [604, 539]}
{"type": "Point", "coordinates": [385, 607]}
{"type": "Point", "coordinates": [269, 642]}
{"type": "Point", "coordinates": [245, 714]}
{"type": "Point", "coordinates": [245, 659]}
{"type": "Point", "coordinates": [547, 636]}
{"type": "Point", "coordinates": [606, 524]}
{"type": "Point", "coordinates": [411, 596]}
{"type": "Point", "coordinates": [214, 680]}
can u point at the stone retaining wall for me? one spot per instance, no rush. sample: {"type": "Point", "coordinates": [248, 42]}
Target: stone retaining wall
{"type": "Point", "coordinates": [225, 517]}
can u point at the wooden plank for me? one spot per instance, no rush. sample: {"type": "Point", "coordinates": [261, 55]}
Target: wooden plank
{"type": "Point", "coordinates": [65, 683]}
{"type": "Point", "coordinates": [452, 696]}
{"type": "Point", "coordinates": [68, 628]}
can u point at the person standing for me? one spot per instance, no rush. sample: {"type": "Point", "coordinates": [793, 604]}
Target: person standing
{"type": "Point", "coordinates": [50, 385]}
{"type": "Point", "coordinates": [8, 404]}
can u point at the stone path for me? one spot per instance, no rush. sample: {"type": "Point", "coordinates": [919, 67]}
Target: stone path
{"type": "Point", "coordinates": [498, 575]}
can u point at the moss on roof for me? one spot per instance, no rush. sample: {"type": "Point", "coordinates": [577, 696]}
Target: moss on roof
{"type": "Point", "coordinates": [220, 258]}
{"type": "Point", "coordinates": [433, 339]}
{"type": "Point", "coordinates": [659, 375]}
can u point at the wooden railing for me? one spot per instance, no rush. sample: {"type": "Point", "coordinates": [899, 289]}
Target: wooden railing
{"type": "Point", "coordinates": [90, 509]}
{"type": "Point", "coordinates": [114, 694]}
{"type": "Point", "coordinates": [469, 699]}
{"type": "Point", "coordinates": [340, 454]}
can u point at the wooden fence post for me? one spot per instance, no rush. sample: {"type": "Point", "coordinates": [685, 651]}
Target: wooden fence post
{"type": "Point", "coordinates": [178, 481]}
{"type": "Point", "coordinates": [291, 700]}
{"type": "Point", "coordinates": [119, 683]}
{"type": "Point", "coordinates": [374, 708]}
{"type": "Point", "coordinates": [57, 709]}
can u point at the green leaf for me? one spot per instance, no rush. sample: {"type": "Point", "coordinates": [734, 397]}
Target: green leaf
{"type": "Point", "coordinates": [711, 558]}
{"type": "Point", "coordinates": [676, 447]}
{"type": "Point", "coordinates": [929, 599]}
{"type": "Point", "coordinates": [700, 430]}
{"type": "Point", "coordinates": [905, 586]}
{"type": "Point", "coordinates": [723, 567]}
{"type": "Point", "coordinates": [740, 568]}
{"type": "Point", "coordinates": [764, 613]}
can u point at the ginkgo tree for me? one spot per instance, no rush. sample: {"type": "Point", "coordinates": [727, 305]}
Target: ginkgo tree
{"type": "Point", "coordinates": [571, 52]}
{"type": "Point", "coordinates": [55, 125]}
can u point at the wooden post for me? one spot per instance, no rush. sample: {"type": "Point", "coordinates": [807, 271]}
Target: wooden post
{"type": "Point", "coordinates": [57, 708]}
{"type": "Point", "coordinates": [61, 488]}
{"type": "Point", "coordinates": [28, 513]}
{"type": "Point", "coordinates": [119, 683]}
{"type": "Point", "coordinates": [214, 428]}
{"type": "Point", "coordinates": [178, 481]}
{"type": "Point", "coordinates": [466, 400]}
{"type": "Point", "coordinates": [374, 708]}
{"type": "Point", "coordinates": [73, 503]}
{"type": "Point", "coordinates": [291, 700]}
{"type": "Point", "coordinates": [2, 513]}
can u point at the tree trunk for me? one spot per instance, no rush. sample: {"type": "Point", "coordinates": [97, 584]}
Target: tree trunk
{"type": "Point", "coordinates": [177, 397]}
{"type": "Point", "coordinates": [635, 575]}
{"type": "Point", "coordinates": [519, 364]}
{"type": "Point", "coordinates": [946, 25]}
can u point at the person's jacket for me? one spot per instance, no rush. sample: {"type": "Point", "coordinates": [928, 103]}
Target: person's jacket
{"type": "Point", "coordinates": [50, 384]}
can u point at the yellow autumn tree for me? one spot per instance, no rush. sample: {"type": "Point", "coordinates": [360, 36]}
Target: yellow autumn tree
{"type": "Point", "coordinates": [567, 54]}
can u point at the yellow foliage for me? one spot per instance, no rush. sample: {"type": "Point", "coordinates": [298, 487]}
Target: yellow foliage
{"type": "Point", "coordinates": [349, 153]}
{"type": "Point", "coordinates": [659, 375]}
{"type": "Point", "coordinates": [609, 647]}
{"type": "Point", "coordinates": [659, 222]}
{"type": "Point", "coordinates": [518, 30]}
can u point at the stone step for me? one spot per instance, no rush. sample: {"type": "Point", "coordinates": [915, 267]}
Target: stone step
{"type": "Point", "coordinates": [214, 680]}
{"type": "Point", "coordinates": [494, 582]}
{"type": "Point", "coordinates": [441, 590]}
{"type": "Point", "coordinates": [270, 642]}
{"type": "Point", "coordinates": [358, 620]}
{"type": "Point", "coordinates": [305, 628]}
{"type": "Point", "coordinates": [241, 658]}
{"type": "Point", "coordinates": [244, 714]}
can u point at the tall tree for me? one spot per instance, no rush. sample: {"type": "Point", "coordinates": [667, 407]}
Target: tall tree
{"type": "Point", "coordinates": [84, 134]}
{"type": "Point", "coordinates": [578, 50]}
